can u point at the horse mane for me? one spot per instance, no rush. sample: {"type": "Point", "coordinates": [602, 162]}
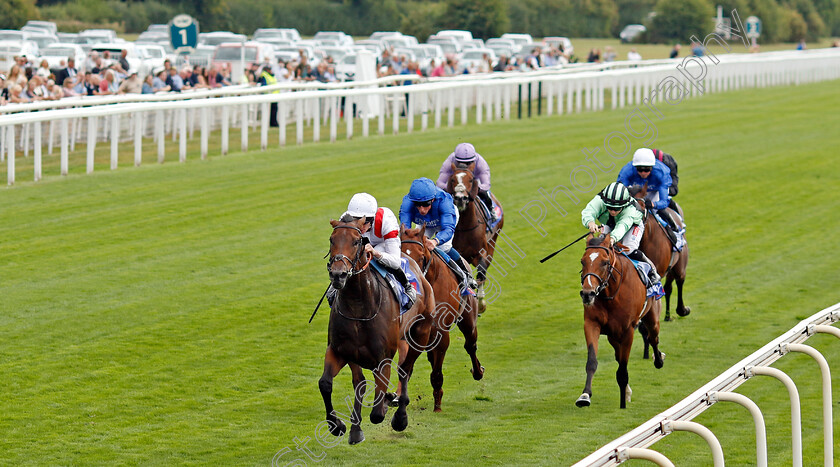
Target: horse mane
{"type": "Point", "coordinates": [462, 165]}
{"type": "Point", "coordinates": [635, 189]}
{"type": "Point", "coordinates": [596, 241]}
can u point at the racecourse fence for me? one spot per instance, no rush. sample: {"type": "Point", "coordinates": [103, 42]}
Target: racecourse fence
{"type": "Point", "coordinates": [31, 127]}
{"type": "Point", "coordinates": [635, 444]}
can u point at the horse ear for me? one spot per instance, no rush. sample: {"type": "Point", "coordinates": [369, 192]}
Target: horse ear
{"type": "Point", "coordinates": [334, 223]}
{"type": "Point", "coordinates": [422, 230]}
{"type": "Point", "coordinates": [471, 166]}
{"type": "Point", "coordinates": [474, 190]}
{"type": "Point", "coordinates": [360, 222]}
{"type": "Point", "coordinates": [454, 167]}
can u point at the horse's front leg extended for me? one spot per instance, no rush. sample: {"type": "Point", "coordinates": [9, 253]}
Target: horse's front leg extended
{"type": "Point", "coordinates": [359, 389]}
{"type": "Point", "coordinates": [592, 331]}
{"type": "Point", "coordinates": [332, 365]}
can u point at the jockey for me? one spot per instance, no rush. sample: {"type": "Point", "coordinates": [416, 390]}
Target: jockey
{"type": "Point", "coordinates": [465, 154]}
{"type": "Point", "coordinates": [383, 233]}
{"type": "Point", "coordinates": [644, 168]}
{"type": "Point", "coordinates": [620, 219]}
{"type": "Point", "coordinates": [427, 204]}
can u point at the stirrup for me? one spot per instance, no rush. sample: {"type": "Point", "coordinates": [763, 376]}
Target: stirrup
{"type": "Point", "coordinates": [411, 293]}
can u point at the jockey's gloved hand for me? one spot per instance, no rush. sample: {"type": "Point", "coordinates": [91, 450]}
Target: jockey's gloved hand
{"type": "Point", "coordinates": [648, 204]}
{"type": "Point", "coordinates": [593, 227]}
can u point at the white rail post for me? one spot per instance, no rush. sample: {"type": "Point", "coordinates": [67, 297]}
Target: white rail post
{"type": "Point", "coordinates": [424, 110]}
{"type": "Point", "coordinates": [365, 103]}
{"type": "Point", "coordinates": [25, 134]}
{"type": "Point", "coordinates": [64, 146]}
{"type": "Point", "coordinates": [182, 136]}
{"type": "Point", "coordinates": [74, 134]}
{"type": "Point", "coordinates": [37, 130]}
{"type": "Point", "coordinates": [438, 97]}
{"type": "Point", "coordinates": [225, 130]}
{"type": "Point", "coordinates": [281, 121]}
{"type": "Point", "coordinates": [316, 120]}
{"type": "Point", "coordinates": [450, 108]}
{"type": "Point", "coordinates": [348, 116]}
{"type": "Point", "coordinates": [334, 119]}
{"type": "Point", "coordinates": [160, 136]}
{"type": "Point", "coordinates": [795, 415]}
{"type": "Point", "coordinates": [245, 127]}
{"type": "Point", "coordinates": [498, 96]}
{"type": "Point", "coordinates": [696, 428]}
{"type": "Point", "coordinates": [380, 125]}
{"type": "Point", "coordinates": [828, 431]}
{"type": "Point", "coordinates": [115, 140]}
{"type": "Point", "coordinates": [464, 111]}
{"type": "Point", "coordinates": [264, 109]}
{"type": "Point", "coordinates": [10, 159]}
{"type": "Point", "coordinates": [299, 121]}
{"type": "Point", "coordinates": [205, 133]}
{"type": "Point", "coordinates": [758, 419]}
{"type": "Point", "coordinates": [395, 113]}
{"type": "Point", "coordinates": [51, 141]}
{"type": "Point", "coordinates": [91, 142]}
{"type": "Point", "coordinates": [138, 138]}
{"type": "Point", "coordinates": [624, 454]}
{"type": "Point", "coordinates": [479, 101]}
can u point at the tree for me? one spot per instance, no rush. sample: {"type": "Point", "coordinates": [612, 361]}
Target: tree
{"type": "Point", "coordinates": [16, 13]}
{"type": "Point", "coordinates": [484, 18]}
{"type": "Point", "coordinates": [677, 20]}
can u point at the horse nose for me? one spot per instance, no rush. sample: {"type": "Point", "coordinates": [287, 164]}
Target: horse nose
{"type": "Point", "coordinates": [588, 296]}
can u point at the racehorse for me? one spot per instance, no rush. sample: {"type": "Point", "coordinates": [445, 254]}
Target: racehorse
{"type": "Point", "coordinates": [365, 330]}
{"type": "Point", "coordinates": [657, 246]}
{"type": "Point", "coordinates": [614, 302]}
{"type": "Point", "coordinates": [472, 240]}
{"type": "Point", "coordinates": [451, 308]}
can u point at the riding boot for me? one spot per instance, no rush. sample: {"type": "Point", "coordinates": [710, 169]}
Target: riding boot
{"type": "Point", "coordinates": [485, 198]}
{"type": "Point", "coordinates": [468, 278]}
{"type": "Point", "coordinates": [653, 276]}
{"type": "Point", "coordinates": [407, 285]}
{"type": "Point", "coordinates": [672, 226]}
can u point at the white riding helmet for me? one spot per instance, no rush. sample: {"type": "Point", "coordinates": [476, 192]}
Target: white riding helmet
{"type": "Point", "coordinates": [643, 157]}
{"type": "Point", "coordinates": [362, 205]}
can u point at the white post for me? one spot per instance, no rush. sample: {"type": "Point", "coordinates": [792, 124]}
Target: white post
{"type": "Point", "coordinates": [10, 171]}
{"type": "Point", "coordinates": [424, 109]}
{"type": "Point", "coordinates": [299, 121]}
{"type": "Point", "coordinates": [138, 138]}
{"type": "Point", "coordinates": [91, 142]}
{"type": "Point", "coordinates": [225, 130]}
{"type": "Point", "coordinates": [205, 132]}
{"type": "Point", "coordinates": [395, 113]}
{"type": "Point", "coordinates": [264, 107]}
{"type": "Point", "coordinates": [795, 415]}
{"type": "Point", "coordinates": [758, 419]}
{"type": "Point", "coordinates": [828, 432]}
{"type": "Point", "coordinates": [115, 140]}
{"type": "Point", "coordinates": [160, 136]}
{"type": "Point", "coordinates": [450, 100]}
{"type": "Point", "coordinates": [381, 123]}
{"type": "Point", "coordinates": [37, 130]}
{"type": "Point", "coordinates": [51, 141]}
{"type": "Point", "coordinates": [316, 120]}
{"type": "Point", "coordinates": [334, 119]}
{"type": "Point", "coordinates": [281, 121]}
{"type": "Point", "coordinates": [64, 148]}
{"type": "Point", "coordinates": [182, 136]}
{"type": "Point", "coordinates": [696, 428]}
{"type": "Point", "coordinates": [438, 97]}
{"type": "Point", "coordinates": [365, 118]}
{"type": "Point", "coordinates": [464, 112]}
{"type": "Point", "coordinates": [348, 116]}
{"type": "Point", "coordinates": [245, 127]}
{"type": "Point", "coordinates": [410, 105]}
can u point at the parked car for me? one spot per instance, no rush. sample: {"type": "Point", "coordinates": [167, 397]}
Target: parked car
{"type": "Point", "coordinates": [135, 61]}
{"type": "Point", "coordinates": [339, 36]}
{"type": "Point", "coordinates": [557, 41]}
{"type": "Point", "coordinates": [518, 39]}
{"type": "Point", "coordinates": [59, 52]}
{"type": "Point", "coordinates": [220, 37]}
{"type": "Point", "coordinates": [631, 32]}
{"type": "Point", "coordinates": [158, 29]}
{"type": "Point", "coordinates": [153, 56]}
{"type": "Point", "coordinates": [272, 34]}
{"type": "Point", "coordinates": [449, 45]}
{"type": "Point", "coordinates": [501, 49]}
{"type": "Point", "coordinates": [11, 49]}
{"type": "Point", "coordinates": [460, 35]}
{"type": "Point", "coordinates": [472, 59]}
{"type": "Point", "coordinates": [379, 35]}
{"type": "Point", "coordinates": [100, 35]}
{"type": "Point", "coordinates": [46, 25]}
{"type": "Point", "coordinates": [374, 45]}
{"type": "Point", "coordinates": [231, 54]}
{"type": "Point", "coordinates": [201, 56]}
{"type": "Point", "coordinates": [85, 42]}
{"type": "Point", "coordinates": [43, 40]}
{"type": "Point", "coordinates": [345, 69]}
{"type": "Point", "coordinates": [335, 52]}
{"type": "Point", "coordinates": [13, 35]}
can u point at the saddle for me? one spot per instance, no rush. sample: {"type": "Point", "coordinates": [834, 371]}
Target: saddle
{"type": "Point", "coordinates": [396, 286]}
{"type": "Point", "coordinates": [455, 271]}
{"type": "Point", "coordinates": [643, 268]}
{"type": "Point", "coordinates": [497, 210]}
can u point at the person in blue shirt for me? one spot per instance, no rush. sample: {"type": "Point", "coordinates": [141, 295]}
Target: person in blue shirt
{"type": "Point", "coordinates": [427, 204]}
{"type": "Point", "coordinates": [644, 168]}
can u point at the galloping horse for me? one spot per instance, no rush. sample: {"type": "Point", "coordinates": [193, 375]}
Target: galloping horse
{"type": "Point", "coordinates": [472, 240]}
{"type": "Point", "coordinates": [451, 307]}
{"type": "Point", "coordinates": [365, 329]}
{"type": "Point", "coordinates": [657, 246]}
{"type": "Point", "coordinates": [614, 301]}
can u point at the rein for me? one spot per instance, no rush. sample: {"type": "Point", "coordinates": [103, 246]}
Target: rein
{"type": "Point", "coordinates": [354, 272]}
{"type": "Point", "coordinates": [426, 262]}
{"type": "Point", "coordinates": [482, 220]}
{"type": "Point", "coordinates": [604, 283]}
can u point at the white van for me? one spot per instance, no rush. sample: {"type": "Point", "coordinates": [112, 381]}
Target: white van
{"type": "Point", "coordinates": [460, 35]}
{"type": "Point", "coordinates": [231, 54]}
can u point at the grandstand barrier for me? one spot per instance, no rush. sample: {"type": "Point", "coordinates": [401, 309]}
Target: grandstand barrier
{"type": "Point", "coordinates": [643, 86]}
{"type": "Point", "coordinates": [636, 443]}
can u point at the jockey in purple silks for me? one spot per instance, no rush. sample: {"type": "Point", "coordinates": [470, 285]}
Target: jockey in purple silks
{"type": "Point", "coordinates": [465, 154]}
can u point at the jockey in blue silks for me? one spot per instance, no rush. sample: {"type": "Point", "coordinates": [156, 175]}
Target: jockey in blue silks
{"type": "Point", "coordinates": [644, 168]}
{"type": "Point", "coordinates": [427, 204]}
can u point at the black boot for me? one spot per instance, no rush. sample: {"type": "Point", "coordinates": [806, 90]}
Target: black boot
{"type": "Point", "coordinates": [468, 278]}
{"type": "Point", "coordinates": [672, 226]}
{"type": "Point", "coordinates": [409, 288]}
{"type": "Point", "coordinates": [653, 276]}
{"type": "Point", "coordinates": [485, 198]}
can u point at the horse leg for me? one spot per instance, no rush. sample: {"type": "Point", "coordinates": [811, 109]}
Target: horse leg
{"type": "Point", "coordinates": [332, 365]}
{"type": "Point", "coordinates": [669, 278]}
{"type": "Point", "coordinates": [651, 323]}
{"type": "Point", "coordinates": [400, 420]}
{"type": "Point", "coordinates": [592, 331]}
{"type": "Point", "coordinates": [382, 377]}
{"type": "Point", "coordinates": [644, 332]}
{"type": "Point", "coordinates": [359, 388]}
{"type": "Point", "coordinates": [622, 356]}
{"type": "Point", "coordinates": [390, 397]}
{"type": "Point", "coordinates": [470, 332]}
{"type": "Point", "coordinates": [436, 357]}
{"type": "Point", "coordinates": [682, 310]}
{"type": "Point", "coordinates": [481, 278]}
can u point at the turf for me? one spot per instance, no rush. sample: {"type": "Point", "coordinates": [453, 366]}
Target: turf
{"type": "Point", "coordinates": [157, 315]}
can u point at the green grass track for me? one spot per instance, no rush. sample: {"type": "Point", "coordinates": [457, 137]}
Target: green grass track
{"type": "Point", "coordinates": [158, 315]}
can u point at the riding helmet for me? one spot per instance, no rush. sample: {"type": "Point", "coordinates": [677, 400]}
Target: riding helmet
{"type": "Point", "coordinates": [643, 157]}
{"type": "Point", "coordinates": [362, 205]}
{"type": "Point", "coordinates": [465, 152]}
{"type": "Point", "coordinates": [615, 195]}
{"type": "Point", "coordinates": [421, 190]}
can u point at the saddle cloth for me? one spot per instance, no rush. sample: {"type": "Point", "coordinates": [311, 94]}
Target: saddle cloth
{"type": "Point", "coordinates": [395, 284]}
{"type": "Point", "coordinates": [451, 264]}
{"type": "Point", "coordinates": [643, 268]}
{"type": "Point", "coordinates": [680, 233]}
{"type": "Point", "coordinates": [497, 210]}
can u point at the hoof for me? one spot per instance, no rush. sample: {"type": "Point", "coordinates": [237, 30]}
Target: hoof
{"type": "Point", "coordinates": [400, 420]}
{"type": "Point", "coordinates": [437, 408]}
{"type": "Point", "coordinates": [479, 375]}
{"type": "Point", "coordinates": [685, 311]}
{"type": "Point", "coordinates": [392, 399]}
{"type": "Point", "coordinates": [376, 418]}
{"type": "Point", "coordinates": [658, 363]}
{"type": "Point", "coordinates": [667, 316]}
{"type": "Point", "coordinates": [583, 400]}
{"type": "Point", "coordinates": [356, 437]}
{"type": "Point", "coordinates": [337, 427]}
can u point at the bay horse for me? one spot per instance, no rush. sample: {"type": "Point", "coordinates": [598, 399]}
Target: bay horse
{"type": "Point", "coordinates": [472, 240]}
{"type": "Point", "coordinates": [451, 307]}
{"type": "Point", "coordinates": [365, 330]}
{"type": "Point", "coordinates": [614, 302]}
{"type": "Point", "coordinates": [656, 245]}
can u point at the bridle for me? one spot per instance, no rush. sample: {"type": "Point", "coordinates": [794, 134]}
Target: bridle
{"type": "Point", "coordinates": [352, 264]}
{"type": "Point", "coordinates": [461, 188]}
{"type": "Point", "coordinates": [426, 261]}
{"type": "Point", "coordinates": [604, 283]}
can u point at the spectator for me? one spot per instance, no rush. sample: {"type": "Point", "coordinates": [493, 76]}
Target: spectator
{"type": "Point", "coordinates": [67, 72]}
{"type": "Point", "coordinates": [4, 91]}
{"type": "Point", "coordinates": [214, 78]}
{"type": "Point", "coordinates": [609, 54]}
{"type": "Point", "coordinates": [55, 91]}
{"type": "Point", "coordinates": [501, 65]}
{"type": "Point", "coordinates": [801, 45]}
{"type": "Point", "coordinates": [200, 78]}
{"type": "Point", "coordinates": [282, 73]}
{"type": "Point", "coordinates": [108, 86]}
{"type": "Point", "coordinates": [675, 52]}
{"type": "Point", "coordinates": [68, 89]}
{"type": "Point", "coordinates": [634, 56]}
{"type": "Point", "coordinates": [16, 95]}
{"type": "Point", "coordinates": [98, 66]}
{"type": "Point", "coordinates": [159, 81]}
{"type": "Point", "coordinates": [594, 56]}
{"type": "Point", "coordinates": [126, 67]}
{"type": "Point", "coordinates": [91, 84]}
{"type": "Point", "coordinates": [91, 60]}
{"type": "Point", "coordinates": [147, 85]}
{"type": "Point", "coordinates": [696, 49]}
{"type": "Point", "coordinates": [16, 77]}
{"type": "Point", "coordinates": [131, 85]}
{"type": "Point", "coordinates": [44, 69]}
{"type": "Point", "coordinates": [267, 79]}
{"type": "Point", "coordinates": [449, 68]}
{"type": "Point", "coordinates": [106, 59]}
{"type": "Point", "coordinates": [174, 81]}
{"type": "Point", "coordinates": [34, 91]}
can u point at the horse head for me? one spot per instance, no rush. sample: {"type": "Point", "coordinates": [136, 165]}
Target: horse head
{"type": "Point", "coordinates": [347, 250]}
{"type": "Point", "coordinates": [414, 245]}
{"type": "Point", "coordinates": [462, 185]}
{"type": "Point", "coordinates": [596, 269]}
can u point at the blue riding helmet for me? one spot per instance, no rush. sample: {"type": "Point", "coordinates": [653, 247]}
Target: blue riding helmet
{"type": "Point", "coordinates": [421, 190]}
